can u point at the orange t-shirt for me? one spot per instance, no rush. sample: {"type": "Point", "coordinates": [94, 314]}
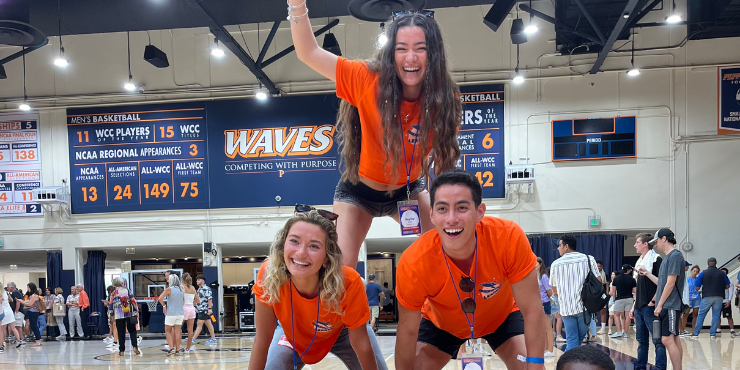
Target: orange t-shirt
{"type": "Point", "coordinates": [354, 305]}
{"type": "Point", "coordinates": [423, 282]}
{"type": "Point", "coordinates": [359, 86]}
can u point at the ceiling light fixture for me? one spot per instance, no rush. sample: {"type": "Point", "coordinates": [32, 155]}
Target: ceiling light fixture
{"type": "Point", "coordinates": [518, 78]}
{"type": "Point", "coordinates": [261, 94]}
{"type": "Point", "coordinates": [531, 28]}
{"type": "Point", "coordinates": [674, 17]}
{"type": "Point", "coordinates": [382, 37]}
{"type": "Point", "coordinates": [634, 71]}
{"type": "Point", "coordinates": [216, 51]}
{"type": "Point", "coordinates": [60, 61]}
{"type": "Point", "coordinates": [129, 86]}
{"type": "Point", "coordinates": [24, 106]}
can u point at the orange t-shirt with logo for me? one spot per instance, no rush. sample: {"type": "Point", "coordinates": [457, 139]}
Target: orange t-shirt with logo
{"type": "Point", "coordinates": [423, 282]}
{"type": "Point", "coordinates": [359, 87]}
{"type": "Point", "coordinates": [354, 305]}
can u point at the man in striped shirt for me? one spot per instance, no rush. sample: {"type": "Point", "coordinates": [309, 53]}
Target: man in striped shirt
{"type": "Point", "coordinates": [567, 276]}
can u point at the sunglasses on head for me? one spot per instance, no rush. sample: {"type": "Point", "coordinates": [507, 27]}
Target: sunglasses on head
{"type": "Point", "coordinates": [467, 285]}
{"type": "Point", "coordinates": [303, 208]}
{"type": "Point", "coordinates": [426, 13]}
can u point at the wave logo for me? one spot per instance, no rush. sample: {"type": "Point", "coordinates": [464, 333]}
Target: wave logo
{"type": "Point", "coordinates": [323, 327]}
{"type": "Point", "coordinates": [488, 290]}
{"type": "Point", "coordinates": [413, 134]}
{"type": "Point", "coordinates": [279, 141]}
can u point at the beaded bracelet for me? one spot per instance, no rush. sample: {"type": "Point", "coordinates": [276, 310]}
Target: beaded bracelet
{"type": "Point", "coordinates": [292, 8]}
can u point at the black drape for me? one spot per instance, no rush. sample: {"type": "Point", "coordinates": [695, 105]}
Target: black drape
{"type": "Point", "coordinates": [53, 270]}
{"type": "Point", "coordinates": [95, 287]}
{"type": "Point", "coordinates": [608, 248]}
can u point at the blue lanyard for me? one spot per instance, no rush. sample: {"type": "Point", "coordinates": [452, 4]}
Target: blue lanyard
{"type": "Point", "coordinates": [475, 284]}
{"type": "Point", "coordinates": [292, 325]}
{"type": "Point", "coordinates": [413, 150]}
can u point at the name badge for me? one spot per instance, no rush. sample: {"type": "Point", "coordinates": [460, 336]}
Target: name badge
{"type": "Point", "coordinates": [472, 361]}
{"type": "Point", "coordinates": [408, 215]}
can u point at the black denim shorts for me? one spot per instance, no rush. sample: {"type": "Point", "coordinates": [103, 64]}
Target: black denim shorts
{"type": "Point", "coordinates": [376, 203]}
{"type": "Point", "coordinates": [512, 326]}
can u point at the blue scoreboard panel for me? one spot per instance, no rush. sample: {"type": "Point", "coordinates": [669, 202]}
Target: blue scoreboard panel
{"type": "Point", "coordinates": [593, 138]}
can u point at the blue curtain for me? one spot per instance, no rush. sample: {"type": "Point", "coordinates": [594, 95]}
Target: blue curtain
{"type": "Point", "coordinates": [608, 248]}
{"type": "Point", "coordinates": [53, 270]}
{"type": "Point", "coordinates": [95, 286]}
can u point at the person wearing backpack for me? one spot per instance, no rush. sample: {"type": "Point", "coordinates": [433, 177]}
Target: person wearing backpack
{"type": "Point", "coordinates": [568, 278]}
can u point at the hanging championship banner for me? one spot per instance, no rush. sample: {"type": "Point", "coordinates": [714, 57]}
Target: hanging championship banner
{"type": "Point", "coordinates": [481, 137]}
{"type": "Point", "coordinates": [729, 100]}
{"type": "Point", "coordinates": [138, 158]}
{"type": "Point", "coordinates": [279, 152]}
{"type": "Point", "coordinates": [20, 164]}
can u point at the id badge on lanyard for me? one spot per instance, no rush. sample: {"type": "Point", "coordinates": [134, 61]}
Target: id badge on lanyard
{"type": "Point", "coordinates": [472, 361]}
{"type": "Point", "coordinates": [408, 216]}
{"type": "Point", "coordinates": [408, 210]}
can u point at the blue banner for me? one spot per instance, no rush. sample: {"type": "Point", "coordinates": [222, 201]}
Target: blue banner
{"type": "Point", "coordinates": [139, 158]}
{"type": "Point", "coordinates": [481, 137]}
{"type": "Point", "coordinates": [729, 100]}
{"type": "Point", "coordinates": [281, 148]}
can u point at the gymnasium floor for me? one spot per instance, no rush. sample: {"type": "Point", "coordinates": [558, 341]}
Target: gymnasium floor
{"type": "Point", "coordinates": [233, 353]}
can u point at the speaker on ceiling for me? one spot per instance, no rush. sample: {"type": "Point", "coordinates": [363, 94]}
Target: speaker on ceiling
{"type": "Point", "coordinates": [498, 13]}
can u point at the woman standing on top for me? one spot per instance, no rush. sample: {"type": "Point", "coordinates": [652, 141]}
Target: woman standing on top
{"type": "Point", "coordinates": [402, 99]}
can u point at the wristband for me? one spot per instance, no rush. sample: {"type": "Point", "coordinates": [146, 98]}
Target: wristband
{"type": "Point", "coordinates": [535, 360]}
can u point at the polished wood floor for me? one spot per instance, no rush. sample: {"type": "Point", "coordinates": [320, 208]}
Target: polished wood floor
{"type": "Point", "coordinates": [233, 353]}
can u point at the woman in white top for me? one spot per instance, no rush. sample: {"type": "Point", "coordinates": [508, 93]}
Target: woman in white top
{"type": "Point", "coordinates": [8, 321]}
{"type": "Point", "coordinates": [190, 296]}
{"type": "Point", "coordinates": [59, 300]}
{"type": "Point", "coordinates": [73, 314]}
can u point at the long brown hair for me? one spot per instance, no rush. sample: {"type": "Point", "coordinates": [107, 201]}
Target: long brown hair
{"type": "Point", "coordinates": [543, 268]}
{"type": "Point", "coordinates": [440, 114]}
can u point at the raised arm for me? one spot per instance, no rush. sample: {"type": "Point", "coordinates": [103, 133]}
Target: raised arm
{"type": "Point", "coordinates": [306, 47]}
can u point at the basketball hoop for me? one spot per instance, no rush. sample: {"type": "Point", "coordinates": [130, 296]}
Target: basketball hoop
{"type": "Point", "coordinates": [152, 305]}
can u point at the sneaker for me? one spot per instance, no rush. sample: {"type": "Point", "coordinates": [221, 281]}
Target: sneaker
{"type": "Point", "coordinates": [61, 337]}
{"type": "Point", "coordinates": [694, 336]}
{"type": "Point", "coordinates": [192, 349]}
{"type": "Point", "coordinates": [211, 342]}
{"type": "Point", "coordinates": [719, 331]}
{"type": "Point", "coordinates": [732, 334]}
{"type": "Point", "coordinates": [616, 335]}
{"type": "Point", "coordinates": [601, 331]}
{"type": "Point", "coordinates": [549, 354]}
{"type": "Point", "coordinates": [166, 347]}
{"type": "Point", "coordinates": [20, 343]}
{"type": "Point", "coordinates": [2, 348]}
{"type": "Point", "coordinates": [193, 340]}
{"type": "Point", "coordinates": [107, 339]}
{"type": "Point", "coordinates": [139, 339]}
{"type": "Point", "coordinates": [712, 337]}
{"type": "Point", "coordinates": [684, 333]}
{"type": "Point", "coordinates": [560, 339]}
{"type": "Point", "coordinates": [112, 345]}
{"type": "Point", "coordinates": [610, 332]}
{"type": "Point", "coordinates": [625, 335]}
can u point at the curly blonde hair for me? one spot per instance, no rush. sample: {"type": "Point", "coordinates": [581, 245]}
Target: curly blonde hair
{"type": "Point", "coordinates": [331, 277]}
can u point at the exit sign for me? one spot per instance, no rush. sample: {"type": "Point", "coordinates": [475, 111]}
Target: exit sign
{"type": "Point", "coordinates": [594, 222]}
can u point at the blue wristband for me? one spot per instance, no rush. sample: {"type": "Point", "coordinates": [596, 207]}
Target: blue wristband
{"type": "Point", "coordinates": [535, 360]}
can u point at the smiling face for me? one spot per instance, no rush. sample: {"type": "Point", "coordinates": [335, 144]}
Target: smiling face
{"type": "Point", "coordinates": [305, 249]}
{"type": "Point", "coordinates": [410, 56]}
{"type": "Point", "coordinates": [455, 215]}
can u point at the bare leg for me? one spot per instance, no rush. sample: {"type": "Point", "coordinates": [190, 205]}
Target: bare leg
{"type": "Point", "coordinates": [549, 333]}
{"type": "Point", "coordinates": [693, 320]}
{"type": "Point", "coordinates": [684, 320]}
{"type": "Point", "coordinates": [509, 351]}
{"type": "Point", "coordinates": [191, 322]}
{"type": "Point", "coordinates": [558, 324]}
{"type": "Point", "coordinates": [168, 334]}
{"type": "Point", "coordinates": [675, 350]}
{"type": "Point", "coordinates": [198, 328]}
{"type": "Point", "coordinates": [352, 227]}
{"type": "Point", "coordinates": [209, 325]}
{"type": "Point", "coordinates": [428, 357]}
{"type": "Point", "coordinates": [177, 337]}
{"type": "Point", "coordinates": [618, 321]}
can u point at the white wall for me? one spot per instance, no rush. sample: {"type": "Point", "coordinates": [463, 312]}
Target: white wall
{"type": "Point", "coordinates": [677, 180]}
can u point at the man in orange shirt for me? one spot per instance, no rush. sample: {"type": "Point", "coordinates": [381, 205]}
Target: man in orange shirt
{"type": "Point", "coordinates": [471, 277]}
{"type": "Point", "coordinates": [84, 304]}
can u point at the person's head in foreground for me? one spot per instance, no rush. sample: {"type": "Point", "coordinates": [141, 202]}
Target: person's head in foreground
{"type": "Point", "coordinates": [305, 251]}
{"type": "Point", "coordinates": [585, 358]}
{"type": "Point", "coordinates": [456, 207]}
